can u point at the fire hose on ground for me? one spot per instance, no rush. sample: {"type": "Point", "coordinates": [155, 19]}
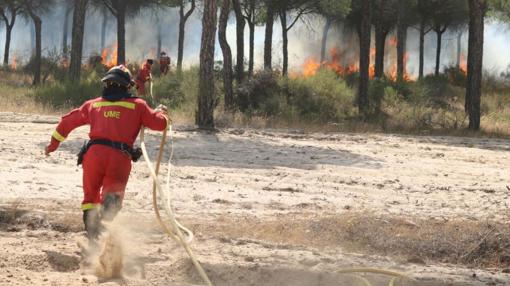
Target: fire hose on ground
{"type": "Point", "coordinates": [164, 194]}
{"type": "Point", "coordinates": [175, 230]}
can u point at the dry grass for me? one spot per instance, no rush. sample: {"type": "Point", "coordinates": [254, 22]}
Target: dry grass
{"type": "Point", "coordinates": [480, 244]}
{"type": "Point", "coordinates": [14, 90]}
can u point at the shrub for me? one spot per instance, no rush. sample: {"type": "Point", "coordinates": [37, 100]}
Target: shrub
{"type": "Point", "coordinates": [436, 91]}
{"type": "Point", "coordinates": [376, 91]}
{"type": "Point", "coordinates": [53, 66]}
{"type": "Point", "coordinates": [259, 95]}
{"type": "Point", "coordinates": [494, 83]}
{"type": "Point", "coordinates": [68, 94]}
{"type": "Point", "coordinates": [455, 76]}
{"type": "Point", "coordinates": [323, 97]}
{"type": "Point", "coordinates": [178, 91]}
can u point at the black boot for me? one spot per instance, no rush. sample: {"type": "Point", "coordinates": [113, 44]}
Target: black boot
{"type": "Point", "coordinates": [92, 221]}
{"type": "Point", "coordinates": [112, 203]}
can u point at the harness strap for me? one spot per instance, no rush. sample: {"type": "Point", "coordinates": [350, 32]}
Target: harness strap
{"type": "Point", "coordinates": [117, 145]}
{"type": "Point", "coordinates": [134, 154]}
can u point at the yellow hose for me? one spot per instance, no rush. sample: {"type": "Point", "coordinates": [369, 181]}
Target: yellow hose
{"type": "Point", "coordinates": [177, 227]}
{"type": "Point", "coordinates": [179, 237]}
{"type": "Point", "coordinates": [163, 225]}
{"type": "Point", "coordinates": [372, 270]}
{"type": "Point", "coordinates": [395, 275]}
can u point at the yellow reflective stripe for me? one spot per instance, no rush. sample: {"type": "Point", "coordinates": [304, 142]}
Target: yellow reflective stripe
{"type": "Point", "coordinates": [57, 136]}
{"type": "Point", "coordinates": [89, 206]}
{"type": "Point", "coordinates": [128, 105]}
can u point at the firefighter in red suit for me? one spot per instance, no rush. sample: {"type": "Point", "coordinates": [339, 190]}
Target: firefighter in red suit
{"type": "Point", "coordinates": [144, 76]}
{"type": "Point", "coordinates": [115, 120]}
{"type": "Point", "coordinates": [164, 63]}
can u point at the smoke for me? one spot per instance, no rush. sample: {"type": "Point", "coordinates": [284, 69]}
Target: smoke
{"type": "Point", "coordinates": [304, 40]}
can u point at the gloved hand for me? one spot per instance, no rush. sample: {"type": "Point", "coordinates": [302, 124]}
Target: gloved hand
{"type": "Point", "coordinates": [51, 147]}
{"type": "Point", "coordinates": [162, 108]}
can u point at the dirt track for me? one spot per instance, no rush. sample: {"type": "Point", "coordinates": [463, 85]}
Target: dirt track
{"type": "Point", "coordinates": [255, 200]}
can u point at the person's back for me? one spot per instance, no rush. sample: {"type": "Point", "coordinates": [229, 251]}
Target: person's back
{"type": "Point", "coordinates": [118, 121]}
{"type": "Point", "coordinates": [164, 63]}
{"type": "Point", "coordinates": [115, 120]}
{"type": "Point", "coordinates": [144, 75]}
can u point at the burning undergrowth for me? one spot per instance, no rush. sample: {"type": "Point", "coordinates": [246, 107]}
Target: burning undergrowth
{"type": "Point", "coordinates": [345, 62]}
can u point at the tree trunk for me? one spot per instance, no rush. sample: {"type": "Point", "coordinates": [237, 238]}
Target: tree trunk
{"type": "Point", "coordinates": [364, 58]}
{"type": "Point", "coordinates": [38, 49]}
{"type": "Point", "coordinates": [159, 41]}
{"type": "Point", "coordinates": [103, 30]}
{"type": "Point", "coordinates": [380, 41]}
{"type": "Point", "coordinates": [285, 42]}
{"type": "Point", "coordinates": [459, 49]}
{"type": "Point", "coordinates": [180, 48]}
{"type": "Point", "coordinates": [422, 49]}
{"type": "Point", "coordinates": [475, 62]}
{"type": "Point", "coordinates": [206, 94]}
{"type": "Point", "coordinates": [240, 23]}
{"type": "Point", "coordinates": [438, 52]}
{"type": "Point", "coordinates": [8, 32]}
{"type": "Point", "coordinates": [324, 43]}
{"type": "Point", "coordinates": [182, 25]}
{"type": "Point", "coordinates": [227, 56]}
{"type": "Point", "coordinates": [121, 34]}
{"type": "Point", "coordinates": [80, 10]}
{"type": "Point", "coordinates": [32, 39]}
{"type": "Point", "coordinates": [380, 45]}
{"type": "Point", "coordinates": [268, 41]}
{"type": "Point", "coordinates": [401, 46]}
{"type": "Point", "coordinates": [65, 31]}
{"type": "Point", "coordinates": [252, 48]}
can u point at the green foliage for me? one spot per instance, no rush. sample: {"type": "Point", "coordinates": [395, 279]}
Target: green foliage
{"type": "Point", "coordinates": [259, 95]}
{"type": "Point", "coordinates": [322, 98]}
{"type": "Point", "coordinates": [500, 9]}
{"type": "Point", "coordinates": [495, 83]}
{"type": "Point", "coordinates": [456, 76]}
{"type": "Point", "coordinates": [67, 94]}
{"type": "Point", "coordinates": [448, 13]}
{"type": "Point", "coordinates": [376, 91]}
{"type": "Point", "coordinates": [435, 89]}
{"type": "Point", "coordinates": [178, 92]}
{"type": "Point", "coordinates": [335, 9]}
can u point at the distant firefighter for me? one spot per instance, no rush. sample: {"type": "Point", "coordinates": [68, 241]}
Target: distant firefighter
{"type": "Point", "coordinates": [164, 63]}
{"type": "Point", "coordinates": [144, 75]}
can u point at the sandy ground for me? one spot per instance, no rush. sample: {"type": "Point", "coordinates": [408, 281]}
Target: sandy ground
{"type": "Point", "coordinates": [244, 181]}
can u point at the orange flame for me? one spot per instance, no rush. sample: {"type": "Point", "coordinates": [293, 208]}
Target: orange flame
{"type": "Point", "coordinates": [310, 67]}
{"type": "Point", "coordinates": [14, 63]}
{"type": "Point", "coordinates": [393, 70]}
{"type": "Point", "coordinates": [463, 64]}
{"type": "Point", "coordinates": [335, 64]}
{"type": "Point", "coordinates": [109, 56]}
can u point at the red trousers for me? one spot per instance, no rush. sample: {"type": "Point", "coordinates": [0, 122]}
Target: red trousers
{"type": "Point", "coordinates": [105, 170]}
{"type": "Point", "coordinates": [140, 87]}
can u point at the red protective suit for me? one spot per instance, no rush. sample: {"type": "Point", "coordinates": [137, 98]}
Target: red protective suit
{"type": "Point", "coordinates": [105, 169]}
{"type": "Point", "coordinates": [164, 64]}
{"type": "Point", "coordinates": [143, 76]}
